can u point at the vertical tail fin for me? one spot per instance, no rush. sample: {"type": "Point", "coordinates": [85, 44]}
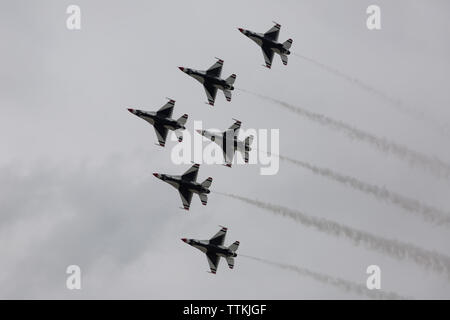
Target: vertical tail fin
{"type": "Point", "coordinates": [230, 80]}
{"type": "Point", "coordinates": [287, 44]}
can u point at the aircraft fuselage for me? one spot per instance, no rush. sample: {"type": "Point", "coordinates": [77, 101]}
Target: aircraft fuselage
{"type": "Point", "coordinates": [206, 247]}
{"type": "Point", "coordinates": [205, 78]}
{"type": "Point", "coordinates": [178, 182]}
{"type": "Point", "coordinates": [227, 139]}
{"type": "Point", "coordinates": [267, 43]}
{"type": "Point", "coordinates": [153, 118]}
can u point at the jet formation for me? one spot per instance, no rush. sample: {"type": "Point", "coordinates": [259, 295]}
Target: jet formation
{"type": "Point", "coordinates": [269, 44]}
{"type": "Point", "coordinates": [187, 184]}
{"type": "Point", "coordinates": [214, 249]}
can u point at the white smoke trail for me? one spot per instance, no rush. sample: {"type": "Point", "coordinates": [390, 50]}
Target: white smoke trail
{"type": "Point", "coordinates": [434, 165]}
{"type": "Point", "coordinates": [427, 212]}
{"type": "Point", "coordinates": [429, 260]}
{"type": "Point", "coordinates": [342, 284]}
{"type": "Point", "coordinates": [396, 103]}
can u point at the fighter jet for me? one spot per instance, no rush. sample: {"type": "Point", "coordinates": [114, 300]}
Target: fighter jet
{"type": "Point", "coordinates": [211, 80]}
{"type": "Point", "coordinates": [228, 141]}
{"type": "Point", "coordinates": [162, 121]}
{"type": "Point", "coordinates": [269, 44]}
{"type": "Point", "coordinates": [214, 249]}
{"type": "Point", "coordinates": [186, 185]}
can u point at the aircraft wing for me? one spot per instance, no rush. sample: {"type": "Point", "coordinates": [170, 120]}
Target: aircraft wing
{"type": "Point", "coordinates": [211, 92]}
{"type": "Point", "coordinates": [219, 237]}
{"type": "Point", "coordinates": [213, 261]}
{"type": "Point", "coordinates": [186, 197]}
{"type": "Point", "coordinates": [268, 56]}
{"type": "Point", "coordinates": [272, 33]}
{"type": "Point", "coordinates": [166, 110]}
{"type": "Point", "coordinates": [191, 173]}
{"type": "Point", "coordinates": [161, 133]}
{"type": "Point", "coordinates": [216, 69]}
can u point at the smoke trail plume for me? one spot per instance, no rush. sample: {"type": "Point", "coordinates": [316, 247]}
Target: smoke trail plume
{"type": "Point", "coordinates": [396, 103]}
{"type": "Point", "coordinates": [342, 284]}
{"type": "Point", "coordinates": [429, 260]}
{"type": "Point", "coordinates": [427, 212]}
{"type": "Point", "coordinates": [432, 164]}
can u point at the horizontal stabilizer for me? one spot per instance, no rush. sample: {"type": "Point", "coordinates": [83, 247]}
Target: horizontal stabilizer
{"type": "Point", "coordinates": [230, 261]}
{"type": "Point", "coordinates": [207, 183]}
{"type": "Point", "coordinates": [234, 246]}
{"type": "Point", "coordinates": [203, 198]}
{"type": "Point", "coordinates": [227, 94]}
{"type": "Point", "coordinates": [182, 120]}
{"type": "Point", "coordinates": [179, 135]}
{"type": "Point", "coordinates": [248, 141]}
{"type": "Point", "coordinates": [287, 44]}
{"type": "Point", "coordinates": [230, 80]}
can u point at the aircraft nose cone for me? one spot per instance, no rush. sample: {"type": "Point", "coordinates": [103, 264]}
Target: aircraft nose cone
{"type": "Point", "coordinates": [181, 68]}
{"type": "Point", "coordinates": [131, 110]}
{"type": "Point", "coordinates": [199, 131]}
{"type": "Point", "coordinates": [184, 239]}
{"type": "Point", "coordinates": [241, 30]}
{"type": "Point", "coordinates": [156, 175]}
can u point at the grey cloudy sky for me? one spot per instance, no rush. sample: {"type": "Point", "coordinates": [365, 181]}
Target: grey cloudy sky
{"type": "Point", "coordinates": [75, 166]}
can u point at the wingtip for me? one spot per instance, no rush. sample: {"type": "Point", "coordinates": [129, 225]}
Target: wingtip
{"type": "Point", "coordinates": [277, 24]}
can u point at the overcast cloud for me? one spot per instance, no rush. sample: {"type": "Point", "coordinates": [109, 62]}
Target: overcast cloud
{"type": "Point", "coordinates": [75, 166]}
